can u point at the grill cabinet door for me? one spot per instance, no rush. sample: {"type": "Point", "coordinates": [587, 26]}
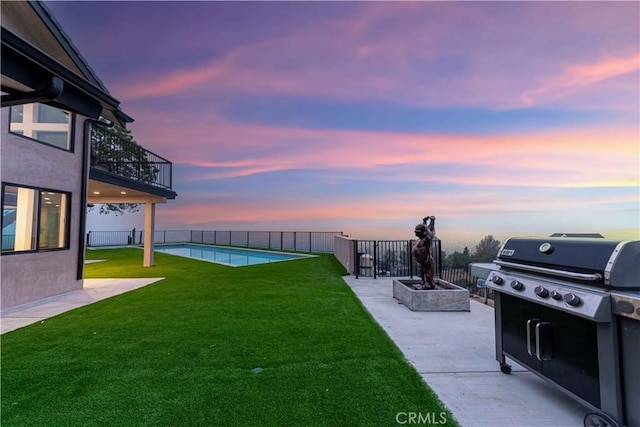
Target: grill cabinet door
{"type": "Point", "coordinates": [519, 319]}
{"type": "Point", "coordinates": [558, 345]}
{"type": "Point", "coordinates": [574, 364]}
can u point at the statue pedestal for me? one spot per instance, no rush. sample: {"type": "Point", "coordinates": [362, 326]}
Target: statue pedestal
{"type": "Point", "coordinates": [446, 297]}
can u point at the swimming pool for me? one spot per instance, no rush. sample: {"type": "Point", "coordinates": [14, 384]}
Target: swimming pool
{"type": "Point", "coordinates": [235, 257]}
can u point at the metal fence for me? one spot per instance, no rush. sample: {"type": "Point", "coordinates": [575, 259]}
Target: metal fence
{"type": "Point", "coordinates": [391, 258]}
{"type": "Point", "coordinates": [299, 241]}
{"type": "Point", "coordinates": [114, 152]}
{"type": "Point", "coordinates": [461, 277]}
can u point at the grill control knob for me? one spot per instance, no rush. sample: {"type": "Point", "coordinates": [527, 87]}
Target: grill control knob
{"type": "Point", "coordinates": [497, 280]}
{"type": "Point", "coordinates": [518, 286]}
{"type": "Point", "coordinates": [541, 291]}
{"type": "Point", "coordinates": [571, 299]}
{"type": "Point", "coordinates": [625, 307]}
{"type": "Point", "coordinates": [556, 295]}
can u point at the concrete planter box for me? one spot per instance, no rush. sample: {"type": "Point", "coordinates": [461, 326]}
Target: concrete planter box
{"type": "Point", "coordinates": [448, 297]}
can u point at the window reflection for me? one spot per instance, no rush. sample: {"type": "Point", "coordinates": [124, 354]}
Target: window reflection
{"type": "Point", "coordinates": [43, 123]}
{"type": "Point", "coordinates": [33, 219]}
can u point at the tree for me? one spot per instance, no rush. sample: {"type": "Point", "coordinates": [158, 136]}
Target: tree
{"type": "Point", "coordinates": [486, 249]}
{"type": "Point", "coordinates": [114, 149]}
{"type": "Point", "coordinates": [458, 260]}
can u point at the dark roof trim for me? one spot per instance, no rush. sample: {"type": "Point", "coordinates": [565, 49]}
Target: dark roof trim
{"type": "Point", "coordinates": [65, 41]}
{"type": "Point", "coordinates": [109, 178]}
{"type": "Point", "coordinates": [31, 67]}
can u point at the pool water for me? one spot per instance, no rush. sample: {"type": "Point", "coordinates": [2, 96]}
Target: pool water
{"type": "Point", "coordinates": [234, 257]}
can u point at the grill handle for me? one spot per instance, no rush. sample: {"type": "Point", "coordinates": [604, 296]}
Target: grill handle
{"type": "Point", "coordinates": [591, 277]}
{"type": "Point", "coordinates": [531, 331]}
{"type": "Point", "coordinates": [544, 341]}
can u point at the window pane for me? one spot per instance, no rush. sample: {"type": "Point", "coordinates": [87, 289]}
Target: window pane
{"type": "Point", "coordinates": [19, 218]}
{"type": "Point", "coordinates": [52, 220]}
{"type": "Point", "coordinates": [16, 114]}
{"type": "Point", "coordinates": [59, 139]}
{"type": "Point", "coordinates": [43, 123]}
{"type": "Point", "coordinates": [49, 114]}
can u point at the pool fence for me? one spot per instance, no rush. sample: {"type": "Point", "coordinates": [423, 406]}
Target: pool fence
{"type": "Point", "coordinates": [299, 241]}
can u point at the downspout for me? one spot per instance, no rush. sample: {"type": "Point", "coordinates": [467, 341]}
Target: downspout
{"type": "Point", "coordinates": [86, 147]}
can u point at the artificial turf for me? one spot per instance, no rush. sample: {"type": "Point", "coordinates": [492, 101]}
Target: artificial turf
{"type": "Point", "coordinates": [279, 344]}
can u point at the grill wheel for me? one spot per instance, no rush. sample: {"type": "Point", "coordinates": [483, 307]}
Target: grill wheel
{"type": "Point", "coordinates": [599, 419]}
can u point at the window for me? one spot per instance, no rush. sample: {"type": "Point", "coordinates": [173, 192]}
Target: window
{"type": "Point", "coordinates": [58, 139]}
{"type": "Point", "coordinates": [49, 114]}
{"type": "Point", "coordinates": [33, 219]}
{"type": "Point", "coordinates": [43, 123]}
{"type": "Point", "coordinates": [16, 114]}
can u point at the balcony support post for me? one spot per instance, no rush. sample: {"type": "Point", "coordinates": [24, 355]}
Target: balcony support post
{"type": "Point", "coordinates": [149, 228]}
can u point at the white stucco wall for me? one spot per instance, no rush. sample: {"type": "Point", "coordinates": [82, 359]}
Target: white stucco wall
{"type": "Point", "coordinates": [29, 276]}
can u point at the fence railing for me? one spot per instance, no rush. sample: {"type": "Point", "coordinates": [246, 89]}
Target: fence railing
{"type": "Point", "coordinates": [299, 241]}
{"type": "Point", "coordinates": [121, 156]}
{"type": "Point", "coordinates": [392, 258]}
{"type": "Point", "coordinates": [373, 258]}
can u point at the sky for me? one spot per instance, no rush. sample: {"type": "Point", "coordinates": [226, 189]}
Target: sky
{"type": "Point", "coordinates": [497, 118]}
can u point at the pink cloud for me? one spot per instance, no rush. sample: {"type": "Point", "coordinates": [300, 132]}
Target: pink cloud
{"type": "Point", "coordinates": [582, 157]}
{"type": "Point", "coordinates": [399, 206]}
{"type": "Point", "coordinates": [577, 76]}
{"type": "Point", "coordinates": [394, 53]}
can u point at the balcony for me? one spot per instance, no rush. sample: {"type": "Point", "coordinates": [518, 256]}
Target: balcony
{"type": "Point", "coordinates": [117, 161]}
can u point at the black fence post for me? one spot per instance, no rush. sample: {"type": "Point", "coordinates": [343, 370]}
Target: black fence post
{"type": "Point", "coordinates": [356, 259]}
{"type": "Point", "coordinates": [439, 257]}
{"type": "Point", "coordinates": [89, 238]}
{"type": "Point", "coordinates": [375, 259]}
{"type": "Point", "coordinates": [409, 247]}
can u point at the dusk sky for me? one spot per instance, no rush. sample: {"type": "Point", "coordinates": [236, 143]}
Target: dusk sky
{"type": "Point", "coordinates": [502, 118]}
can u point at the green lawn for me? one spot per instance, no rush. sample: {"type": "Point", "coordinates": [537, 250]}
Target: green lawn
{"type": "Point", "coordinates": [281, 344]}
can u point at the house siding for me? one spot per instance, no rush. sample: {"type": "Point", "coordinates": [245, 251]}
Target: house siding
{"type": "Point", "coordinates": [30, 276]}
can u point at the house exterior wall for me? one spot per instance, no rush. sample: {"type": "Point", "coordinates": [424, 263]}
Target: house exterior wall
{"type": "Point", "coordinates": [30, 276]}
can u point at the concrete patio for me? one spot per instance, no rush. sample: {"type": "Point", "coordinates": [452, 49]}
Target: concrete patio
{"type": "Point", "coordinates": [455, 354]}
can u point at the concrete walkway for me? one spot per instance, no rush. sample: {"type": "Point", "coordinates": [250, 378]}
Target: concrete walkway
{"type": "Point", "coordinates": [455, 354]}
{"type": "Point", "coordinates": [94, 290]}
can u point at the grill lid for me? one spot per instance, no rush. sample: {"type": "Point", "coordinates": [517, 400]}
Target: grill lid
{"type": "Point", "coordinates": [598, 261]}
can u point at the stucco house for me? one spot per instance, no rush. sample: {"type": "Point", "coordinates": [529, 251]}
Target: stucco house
{"type": "Point", "coordinates": [59, 154]}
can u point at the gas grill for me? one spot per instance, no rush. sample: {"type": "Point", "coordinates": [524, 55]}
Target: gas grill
{"type": "Point", "coordinates": [568, 309]}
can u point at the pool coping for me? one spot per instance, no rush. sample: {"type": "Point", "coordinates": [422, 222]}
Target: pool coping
{"type": "Point", "coordinates": [240, 248]}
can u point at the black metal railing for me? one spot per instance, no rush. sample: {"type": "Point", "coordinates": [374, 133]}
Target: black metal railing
{"type": "Point", "coordinates": [299, 241]}
{"type": "Point", "coordinates": [121, 156]}
{"type": "Point", "coordinates": [391, 258]}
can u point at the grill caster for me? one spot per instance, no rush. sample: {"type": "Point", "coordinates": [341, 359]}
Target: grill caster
{"type": "Point", "coordinates": [599, 419]}
{"type": "Point", "coordinates": [506, 369]}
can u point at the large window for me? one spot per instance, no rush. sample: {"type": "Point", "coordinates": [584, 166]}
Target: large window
{"type": "Point", "coordinates": [43, 123]}
{"type": "Point", "coordinates": [34, 219]}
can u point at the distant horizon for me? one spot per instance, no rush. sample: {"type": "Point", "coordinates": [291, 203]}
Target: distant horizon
{"type": "Point", "coordinates": [501, 118]}
{"type": "Point", "coordinates": [452, 239]}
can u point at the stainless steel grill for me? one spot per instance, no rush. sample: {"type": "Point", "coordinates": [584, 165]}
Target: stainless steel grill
{"type": "Point", "coordinates": [568, 309]}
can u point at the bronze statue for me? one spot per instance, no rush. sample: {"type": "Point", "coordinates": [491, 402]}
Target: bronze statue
{"type": "Point", "coordinates": [421, 251]}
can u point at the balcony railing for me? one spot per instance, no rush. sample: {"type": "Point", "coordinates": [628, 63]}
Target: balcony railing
{"type": "Point", "coordinates": [119, 154]}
